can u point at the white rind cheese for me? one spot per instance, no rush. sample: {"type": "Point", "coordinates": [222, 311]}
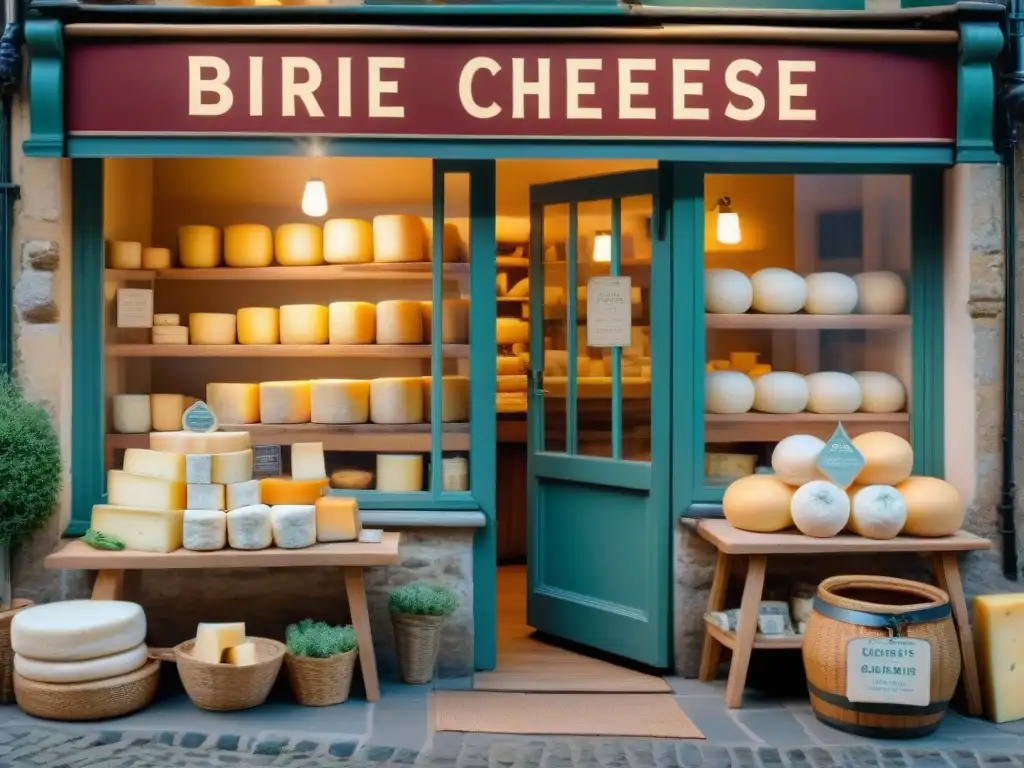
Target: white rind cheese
{"type": "Point", "coordinates": [284, 402]}
{"type": "Point", "coordinates": [778, 291]}
{"type": "Point", "coordinates": [399, 473]}
{"type": "Point", "coordinates": [398, 238]}
{"type": "Point", "coordinates": [205, 530]}
{"type": "Point", "coordinates": [199, 246]}
{"type": "Point", "coordinates": [132, 414]}
{"type": "Point", "coordinates": [250, 528]}
{"type": "Point", "coordinates": [780, 392]}
{"type": "Point", "coordinates": [76, 630]}
{"type": "Point", "coordinates": [66, 672]}
{"type": "Point", "coordinates": [211, 328]}
{"type": "Point", "coordinates": [248, 245]}
{"type": "Point", "coordinates": [234, 403]}
{"type": "Point", "coordinates": [339, 401]}
{"type": "Point", "coordinates": [882, 392]}
{"type": "Point", "coordinates": [833, 392]}
{"type": "Point", "coordinates": [348, 241]}
{"type": "Point", "coordinates": [820, 509]}
{"type": "Point", "coordinates": [258, 325]}
{"type": "Point", "coordinates": [727, 292]}
{"type": "Point", "coordinates": [881, 293]}
{"type": "Point", "coordinates": [399, 322]}
{"type": "Point", "coordinates": [243, 494]}
{"type": "Point", "coordinates": [396, 401]}
{"type": "Point", "coordinates": [728, 392]}
{"type": "Point", "coordinates": [830, 293]}
{"type": "Point", "coordinates": [299, 245]}
{"type": "Point", "coordinates": [304, 324]}
{"type": "Point", "coordinates": [294, 525]}
{"type": "Point", "coordinates": [208, 496]}
{"type": "Point", "coordinates": [198, 468]}
{"type": "Point", "coordinates": [351, 322]}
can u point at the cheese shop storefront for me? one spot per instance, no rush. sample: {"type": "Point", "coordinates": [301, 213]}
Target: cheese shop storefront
{"type": "Point", "coordinates": [531, 293]}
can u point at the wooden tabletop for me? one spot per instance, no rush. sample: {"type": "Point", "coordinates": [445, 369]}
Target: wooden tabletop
{"type": "Point", "coordinates": [733, 541]}
{"type": "Point", "coordinates": [79, 555]}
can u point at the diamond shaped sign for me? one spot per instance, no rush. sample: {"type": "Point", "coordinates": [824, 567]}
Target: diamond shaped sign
{"type": "Point", "coordinates": [839, 460]}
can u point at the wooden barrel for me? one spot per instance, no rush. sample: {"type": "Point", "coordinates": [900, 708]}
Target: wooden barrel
{"type": "Point", "coordinates": [851, 607]}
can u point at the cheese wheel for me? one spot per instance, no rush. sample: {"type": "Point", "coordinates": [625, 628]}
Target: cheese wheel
{"type": "Point", "coordinates": [778, 291]}
{"type": "Point", "coordinates": [780, 392]}
{"type": "Point", "coordinates": [727, 292]}
{"type": "Point", "coordinates": [882, 392]}
{"type": "Point", "coordinates": [211, 328]}
{"type": "Point", "coordinates": [399, 322]}
{"type": "Point", "coordinates": [399, 473]}
{"type": "Point", "coordinates": [888, 458]}
{"type": "Point", "coordinates": [510, 366]}
{"type": "Point", "coordinates": [877, 511]}
{"type": "Point", "coordinates": [285, 490]}
{"type": "Point", "coordinates": [880, 293]}
{"type": "Point", "coordinates": [454, 398]}
{"type": "Point", "coordinates": [451, 239]}
{"type": "Point", "coordinates": [248, 245]}
{"type": "Point", "coordinates": [454, 321]}
{"type": "Point", "coordinates": [304, 324]}
{"type": "Point", "coordinates": [830, 293]}
{"type": "Point", "coordinates": [166, 411]}
{"type": "Point", "coordinates": [348, 241]}
{"type": "Point", "coordinates": [299, 245]}
{"type": "Point", "coordinates": [396, 401]}
{"type": "Point", "coordinates": [77, 630]}
{"type": "Point", "coordinates": [351, 322]}
{"type": "Point", "coordinates": [132, 414]}
{"type": "Point", "coordinates": [509, 330]}
{"type": "Point", "coordinates": [934, 507]}
{"type": "Point", "coordinates": [166, 320]}
{"type": "Point", "coordinates": [284, 402]}
{"type": "Point", "coordinates": [156, 258]}
{"type": "Point", "coordinates": [258, 325]}
{"type": "Point", "coordinates": [65, 672]}
{"type": "Point", "coordinates": [123, 254]}
{"type": "Point", "coordinates": [170, 334]}
{"type": "Point", "coordinates": [398, 238]}
{"type": "Point", "coordinates": [759, 503]}
{"type": "Point", "coordinates": [199, 442]}
{"type": "Point", "coordinates": [832, 392]}
{"type": "Point", "coordinates": [820, 509]}
{"type": "Point", "coordinates": [512, 230]}
{"type": "Point", "coordinates": [198, 246]}
{"type": "Point", "coordinates": [727, 392]}
{"type": "Point", "coordinates": [339, 401]}
{"type": "Point", "coordinates": [795, 459]}
{"type": "Point", "coordinates": [234, 403]}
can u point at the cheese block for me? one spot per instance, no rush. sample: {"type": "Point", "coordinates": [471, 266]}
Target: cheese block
{"type": "Point", "coordinates": [166, 412]}
{"type": "Point", "coordinates": [166, 320]}
{"type": "Point", "coordinates": [211, 328]}
{"type": "Point", "coordinates": [142, 461]}
{"type": "Point", "coordinates": [77, 630]}
{"type": "Point", "coordinates": [454, 321]}
{"type": "Point", "coordinates": [65, 672]}
{"type": "Point", "coordinates": [199, 442]}
{"type": "Point", "coordinates": [243, 655]}
{"type": "Point", "coordinates": [129, 490]}
{"type": "Point", "coordinates": [284, 402]}
{"type": "Point", "coordinates": [351, 322]}
{"type": "Point", "coordinates": [398, 238]}
{"type": "Point", "coordinates": [339, 401]}
{"type": "Point", "coordinates": [206, 496]}
{"type": "Point", "coordinates": [275, 491]}
{"type": "Point", "coordinates": [299, 245]}
{"type": "Point", "coordinates": [234, 403]}
{"type": "Point", "coordinates": [170, 334]}
{"type": "Point", "coordinates": [399, 473]}
{"type": "Point", "coordinates": [232, 467]}
{"type": "Point", "coordinates": [123, 254]}
{"type": "Point", "coordinates": [396, 401]}
{"type": "Point", "coordinates": [249, 527]}
{"type": "Point", "coordinates": [199, 468]}
{"type": "Point", "coordinates": [452, 249]}
{"type": "Point", "coordinates": [512, 383]}
{"type": "Point", "coordinates": [308, 461]}
{"type": "Point", "coordinates": [142, 529]}
{"type": "Point", "coordinates": [156, 258]}
{"type": "Point", "coordinates": [454, 398]}
{"type": "Point", "coordinates": [198, 246]}
{"type": "Point", "coordinates": [348, 241]}
{"type": "Point", "coordinates": [304, 324]}
{"type": "Point", "coordinates": [510, 366]}
{"type": "Point", "coordinates": [204, 530]}
{"type": "Point", "coordinates": [512, 331]}
{"type": "Point", "coordinates": [248, 245]}
{"type": "Point", "coordinates": [294, 525]}
{"type": "Point", "coordinates": [213, 639]}
{"type": "Point", "coordinates": [337, 519]}
{"type": "Point", "coordinates": [243, 494]}
{"type": "Point", "coordinates": [258, 325]}
{"type": "Point", "coordinates": [399, 322]}
{"type": "Point", "coordinates": [998, 627]}
{"type": "Point", "coordinates": [131, 414]}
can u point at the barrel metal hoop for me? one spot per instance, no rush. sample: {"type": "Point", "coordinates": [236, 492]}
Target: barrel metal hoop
{"type": "Point", "coordinates": [888, 621]}
{"type": "Point", "coordinates": [876, 732]}
{"type": "Point", "coordinates": [867, 708]}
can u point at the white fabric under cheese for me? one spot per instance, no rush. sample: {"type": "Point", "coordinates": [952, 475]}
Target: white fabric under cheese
{"type": "Point", "coordinates": [250, 527]}
{"type": "Point", "coordinates": [398, 238]}
{"type": "Point", "coordinates": [66, 672]}
{"type": "Point", "coordinates": [780, 392]}
{"type": "Point", "coordinates": [778, 291]}
{"type": "Point", "coordinates": [830, 293]}
{"type": "Point", "coordinates": [348, 241]}
{"type": "Point", "coordinates": [294, 525]}
{"type": "Point", "coordinates": [339, 401]}
{"type": "Point", "coordinates": [727, 291]}
{"type": "Point", "coordinates": [832, 392]}
{"type": "Point", "coordinates": [74, 630]}
{"type": "Point", "coordinates": [396, 401]}
{"type": "Point", "coordinates": [205, 530]}
{"type": "Point", "coordinates": [728, 392]}
{"type": "Point", "coordinates": [351, 322]}
{"type": "Point", "coordinates": [248, 245]}
{"type": "Point", "coordinates": [399, 322]}
{"type": "Point", "coordinates": [132, 414]}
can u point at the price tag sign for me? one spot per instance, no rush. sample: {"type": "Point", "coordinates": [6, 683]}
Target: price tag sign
{"type": "Point", "coordinates": [609, 312]}
{"type": "Point", "coordinates": [266, 460]}
{"type": "Point", "coordinates": [134, 308]}
{"type": "Point", "coordinates": [889, 671]}
{"type": "Point", "coordinates": [839, 460]}
{"type": "Point", "coordinates": [199, 418]}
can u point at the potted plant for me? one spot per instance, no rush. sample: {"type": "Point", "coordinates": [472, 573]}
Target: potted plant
{"type": "Point", "coordinates": [30, 473]}
{"type": "Point", "coordinates": [320, 661]}
{"type": "Point", "coordinates": [417, 611]}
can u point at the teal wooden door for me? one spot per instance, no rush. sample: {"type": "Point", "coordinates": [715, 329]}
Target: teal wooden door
{"type": "Point", "coordinates": [599, 519]}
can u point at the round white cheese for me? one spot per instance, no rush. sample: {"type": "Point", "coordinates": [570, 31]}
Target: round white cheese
{"type": "Point", "coordinates": [399, 322]}
{"type": "Point", "coordinates": [351, 322]}
{"type": "Point", "coordinates": [832, 392]}
{"type": "Point", "coordinates": [293, 525]}
{"type": "Point", "coordinates": [204, 530]}
{"type": "Point", "coordinates": [830, 293]}
{"type": "Point", "coordinates": [250, 527]}
{"type": "Point", "coordinates": [727, 292]}
{"type": "Point", "coordinates": [284, 402]}
{"type": "Point", "coordinates": [248, 245]}
{"type": "Point", "coordinates": [258, 325]}
{"type": "Point", "coordinates": [820, 509]}
{"type": "Point", "coordinates": [198, 246]}
{"type": "Point", "coordinates": [399, 473]}
{"type": "Point", "coordinates": [75, 630]}
{"type": "Point", "coordinates": [100, 668]}
{"type": "Point", "coordinates": [234, 403]}
{"type": "Point", "coordinates": [398, 238]}
{"type": "Point", "coordinates": [396, 400]}
{"type": "Point", "coordinates": [454, 398]}
{"type": "Point", "coordinates": [795, 459]}
{"type": "Point", "coordinates": [304, 324]}
{"type": "Point", "coordinates": [348, 241]}
{"type": "Point", "coordinates": [454, 321]}
{"type": "Point", "coordinates": [881, 293]}
{"type": "Point", "coordinates": [124, 255]}
{"type": "Point", "coordinates": [780, 392]}
{"type": "Point", "coordinates": [778, 291]}
{"type": "Point", "coordinates": [882, 392]}
{"type": "Point", "coordinates": [132, 414]}
{"type": "Point", "coordinates": [877, 512]}
{"type": "Point", "coordinates": [211, 328]}
{"type": "Point", "coordinates": [339, 401]}
{"type": "Point", "coordinates": [299, 245]}
{"type": "Point", "coordinates": [156, 258]}
{"type": "Point", "coordinates": [728, 392]}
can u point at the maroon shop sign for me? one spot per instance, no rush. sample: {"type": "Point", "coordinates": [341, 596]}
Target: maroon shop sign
{"type": "Point", "coordinates": [492, 89]}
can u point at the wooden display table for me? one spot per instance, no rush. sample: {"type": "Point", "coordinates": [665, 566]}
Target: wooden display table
{"type": "Point", "coordinates": [350, 556]}
{"type": "Point", "coordinates": [733, 543]}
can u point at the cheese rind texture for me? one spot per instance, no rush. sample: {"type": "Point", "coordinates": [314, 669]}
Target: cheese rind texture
{"type": "Point", "coordinates": [998, 629]}
{"type": "Point", "coordinates": [199, 442]}
{"type": "Point", "coordinates": [233, 467]}
{"type": "Point", "coordinates": [142, 461]}
{"type": "Point", "coordinates": [249, 527]}
{"type": "Point", "coordinates": [399, 322]}
{"type": "Point", "coordinates": [258, 325]}
{"type": "Point", "coordinates": [64, 672]}
{"type": "Point", "coordinates": [399, 473]}
{"type": "Point", "coordinates": [198, 468]}
{"type": "Point", "coordinates": [339, 401]}
{"type": "Point", "coordinates": [248, 245]}
{"type": "Point", "coordinates": [132, 414]}
{"type": "Point", "coordinates": [299, 245]}
{"type": "Point", "coordinates": [77, 630]}
{"type": "Point", "coordinates": [211, 328]}
{"type": "Point", "coordinates": [294, 525]}
{"type": "Point", "coordinates": [207, 497]}
{"type": "Point", "coordinates": [396, 401]}
{"type": "Point", "coordinates": [205, 530]}
{"type": "Point", "coordinates": [144, 530]}
{"type": "Point", "coordinates": [145, 491]}
{"type": "Point", "coordinates": [348, 241]}
{"type": "Point", "coordinates": [212, 639]}
{"type": "Point", "coordinates": [244, 494]}
{"type": "Point", "coordinates": [234, 403]}
{"type": "Point", "coordinates": [398, 238]}
{"type": "Point", "coordinates": [276, 491]}
{"type": "Point", "coordinates": [308, 461]}
{"type": "Point", "coordinates": [284, 402]}
{"type": "Point", "coordinates": [351, 322]}
{"type": "Point", "coordinates": [304, 324]}
{"type": "Point", "coordinates": [337, 519]}
{"type": "Point", "coordinates": [199, 246]}
{"type": "Point", "coordinates": [166, 412]}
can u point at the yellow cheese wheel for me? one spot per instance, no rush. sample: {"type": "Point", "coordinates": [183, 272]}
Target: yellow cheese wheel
{"type": "Point", "coordinates": [398, 238]}
{"type": "Point", "coordinates": [276, 491]}
{"type": "Point", "coordinates": [166, 411]}
{"type": "Point", "coordinates": [339, 401]}
{"type": "Point", "coordinates": [454, 398]}
{"type": "Point", "coordinates": [124, 255]}
{"type": "Point", "coordinates": [234, 403]}
{"type": "Point", "coordinates": [454, 321]}
{"type": "Point", "coordinates": [934, 507]}
{"type": "Point", "coordinates": [211, 328]}
{"type": "Point", "coordinates": [888, 458]}
{"type": "Point", "coordinates": [396, 401]}
{"type": "Point", "coordinates": [304, 324]}
{"type": "Point", "coordinates": [198, 246]}
{"type": "Point", "coordinates": [284, 402]}
{"type": "Point", "coordinates": [299, 245]}
{"type": "Point", "coordinates": [399, 322]}
{"type": "Point", "coordinates": [248, 245]}
{"type": "Point", "coordinates": [759, 503]}
{"type": "Point", "coordinates": [512, 331]}
{"type": "Point", "coordinates": [452, 240]}
{"type": "Point", "coordinates": [399, 473]}
{"type": "Point", "coordinates": [156, 258]}
{"type": "Point", "coordinates": [348, 241]}
{"type": "Point", "coordinates": [258, 325]}
{"type": "Point", "coordinates": [351, 322]}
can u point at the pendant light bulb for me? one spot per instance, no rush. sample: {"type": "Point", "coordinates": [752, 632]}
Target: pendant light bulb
{"type": "Point", "coordinates": [602, 247]}
{"type": "Point", "coordinates": [728, 224]}
{"type": "Point", "coordinates": [314, 198]}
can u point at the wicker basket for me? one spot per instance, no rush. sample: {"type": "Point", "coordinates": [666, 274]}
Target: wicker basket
{"type": "Point", "coordinates": [417, 639]}
{"type": "Point", "coordinates": [321, 682]}
{"type": "Point", "coordinates": [225, 687]}
{"type": "Point", "coordinates": [848, 607]}
{"type": "Point", "coordinates": [6, 652]}
{"type": "Point", "coordinates": [95, 700]}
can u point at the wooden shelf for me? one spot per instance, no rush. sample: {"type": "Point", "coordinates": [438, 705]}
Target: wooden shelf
{"type": "Point", "coordinates": [800, 322]}
{"type": "Point", "coordinates": [421, 270]}
{"type": "Point", "coordinates": [761, 642]}
{"type": "Point", "coordinates": [419, 351]}
{"type": "Point", "coordinates": [772, 427]}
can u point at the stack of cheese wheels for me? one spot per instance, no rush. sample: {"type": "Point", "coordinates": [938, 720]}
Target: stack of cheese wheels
{"type": "Point", "coordinates": [293, 504]}
{"type": "Point", "coordinates": [79, 641]}
{"type": "Point", "coordinates": [199, 246]}
{"type": "Point", "coordinates": [167, 329]}
{"type": "Point", "coordinates": [348, 241]}
{"type": "Point", "coordinates": [398, 238]}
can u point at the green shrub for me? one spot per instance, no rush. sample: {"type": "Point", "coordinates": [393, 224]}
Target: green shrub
{"type": "Point", "coordinates": [318, 639]}
{"type": "Point", "coordinates": [420, 599]}
{"type": "Point", "coordinates": [30, 467]}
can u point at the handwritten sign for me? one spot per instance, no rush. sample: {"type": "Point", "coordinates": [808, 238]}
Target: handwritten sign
{"type": "Point", "coordinates": [889, 671]}
{"type": "Point", "coordinates": [839, 460]}
{"type": "Point", "coordinates": [609, 312]}
{"type": "Point", "coordinates": [134, 308]}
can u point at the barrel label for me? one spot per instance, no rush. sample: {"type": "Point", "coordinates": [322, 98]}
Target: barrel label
{"type": "Point", "coordinates": [889, 671]}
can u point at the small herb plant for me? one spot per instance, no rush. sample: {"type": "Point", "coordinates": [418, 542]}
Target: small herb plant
{"type": "Point", "coordinates": [318, 639]}
{"type": "Point", "coordinates": [419, 599]}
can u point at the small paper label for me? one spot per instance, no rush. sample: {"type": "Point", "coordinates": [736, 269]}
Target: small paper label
{"type": "Point", "coordinates": [889, 671]}
{"type": "Point", "coordinates": [609, 312]}
{"type": "Point", "coordinates": [199, 418]}
{"type": "Point", "coordinates": [134, 308]}
{"type": "Point", "coordinates": [839, 460]}
{"type": "Point", "coordinates": [266, 461]}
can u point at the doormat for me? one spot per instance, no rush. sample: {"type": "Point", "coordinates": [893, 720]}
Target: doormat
{"type": "Point", "coordinates": [563, 714]}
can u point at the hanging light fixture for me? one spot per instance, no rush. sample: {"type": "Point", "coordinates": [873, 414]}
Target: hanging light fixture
{"type": "Point", "coordinates": [602, 247]}
{"type": "Point", "coordinates": [314, 198]}
{"type": "Point", "coordinates": [728, 225]}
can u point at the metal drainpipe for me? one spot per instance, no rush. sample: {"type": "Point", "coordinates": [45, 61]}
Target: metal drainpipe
{"type": "Point", "coordinates": [10, 73]}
